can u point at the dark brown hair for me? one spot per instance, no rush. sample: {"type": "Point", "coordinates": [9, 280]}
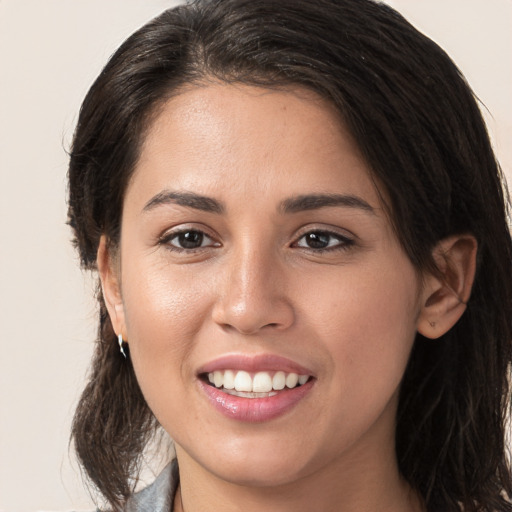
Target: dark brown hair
{"type": "Point", "coordinates": [421, 132]}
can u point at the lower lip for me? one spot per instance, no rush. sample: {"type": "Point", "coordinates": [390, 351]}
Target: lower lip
{"type": "Point", "coordinates": [254, 410]}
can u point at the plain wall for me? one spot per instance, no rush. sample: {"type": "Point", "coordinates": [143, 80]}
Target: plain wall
{"type": "Point", "coordinates": [50, 52]}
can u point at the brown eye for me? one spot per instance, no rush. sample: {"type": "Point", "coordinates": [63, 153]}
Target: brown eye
{"type": "Point", "coordinates": [189, 240]}
{"type": "Point", "coordinates": [319, 240]}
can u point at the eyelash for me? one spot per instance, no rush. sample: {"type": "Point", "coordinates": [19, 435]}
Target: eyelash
{"type": "Point", "coordinates": [343, 242]}
{"type": "Point", "coordinates": [167, 238]}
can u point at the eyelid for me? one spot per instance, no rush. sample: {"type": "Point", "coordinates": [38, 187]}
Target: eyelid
{"type": "Point", "coordinates": [327, 229]}
{"type": "Point", "coordinates": [184, 227]}
{"type": "Point", "coordinates": [346, 240]}
{"type": "Point", "coordinates": [169, 234]}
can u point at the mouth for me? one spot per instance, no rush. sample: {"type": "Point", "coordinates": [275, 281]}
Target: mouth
{"type": "Point", "coordinates": [255, 388]}
{"type": "Point", "coordinates": [261, 384]}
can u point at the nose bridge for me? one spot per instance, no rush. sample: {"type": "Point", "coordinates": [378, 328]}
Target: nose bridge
{"type": "Point", "coordinates": [251, 269]}
{"type": "Point", "coordinates": [253, 293]}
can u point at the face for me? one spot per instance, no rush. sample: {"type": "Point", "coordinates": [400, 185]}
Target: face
{"type": "Point", "coordinates": [269, 308]}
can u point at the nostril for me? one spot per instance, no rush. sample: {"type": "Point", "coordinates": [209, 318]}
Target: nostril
{"type": "Point", "coordinates": [250, 310]}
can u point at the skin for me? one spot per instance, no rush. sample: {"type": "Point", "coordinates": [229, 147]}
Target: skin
{"type": "Point", "coordinates": [349, 314]}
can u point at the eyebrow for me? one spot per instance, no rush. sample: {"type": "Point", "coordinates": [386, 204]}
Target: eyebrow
{"type": "Point", "coordinates": [291, 205]}
{"type": "Point", "coordinates": [188, 199]}
{"type": "Point", "coordinates": [316, 201]}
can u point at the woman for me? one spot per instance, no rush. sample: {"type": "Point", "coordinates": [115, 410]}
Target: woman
{"type": "Point", "coordinates": [305, 265]}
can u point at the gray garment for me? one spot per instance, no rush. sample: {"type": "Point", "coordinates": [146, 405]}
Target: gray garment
{"type": "Point", "coordinates": [159, 496]}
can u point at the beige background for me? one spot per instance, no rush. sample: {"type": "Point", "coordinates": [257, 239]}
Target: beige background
{"type": "Point", "coordinates": [50, 52]}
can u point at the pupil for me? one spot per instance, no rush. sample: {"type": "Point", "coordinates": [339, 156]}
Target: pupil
{"type": "Point", "coordinates": [190, 239]}
{"type": "Point", "coordinates": [317, 240]}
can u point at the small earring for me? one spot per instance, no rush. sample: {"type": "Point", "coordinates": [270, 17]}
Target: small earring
{"type": "Point", "coordinates": [121, 347]}
{"type": "Point", "coordinates": [432, 324]}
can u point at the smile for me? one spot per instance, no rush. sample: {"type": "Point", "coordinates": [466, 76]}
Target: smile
{"type": "Point", "coordinates": [259, 388]}
{"type": "Point", "coordinates": [256, 385]}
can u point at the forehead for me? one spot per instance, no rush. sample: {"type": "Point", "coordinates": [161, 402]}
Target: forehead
{"type": "Point", "coordinates": [218, 136]}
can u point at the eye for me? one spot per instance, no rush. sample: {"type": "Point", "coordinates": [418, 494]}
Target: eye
{"type": "Point", "coordinates": [323, 240]}
{"type": "Point", "coordinates": [187, 240]}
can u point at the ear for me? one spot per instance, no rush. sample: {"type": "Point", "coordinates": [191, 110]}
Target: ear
{"type": "Point", "coordinates": [110, 284]}
{"type": "Point", "coordinates": [444, 296]}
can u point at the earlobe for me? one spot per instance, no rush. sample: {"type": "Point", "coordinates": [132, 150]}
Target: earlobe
{"type": "Point", "coordinates": [446, 294]}
{"type": "Point", "coordinates": [109, 278]}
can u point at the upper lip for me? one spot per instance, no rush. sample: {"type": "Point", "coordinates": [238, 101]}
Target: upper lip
{"type": "Point", "coordinates": [254, 363]}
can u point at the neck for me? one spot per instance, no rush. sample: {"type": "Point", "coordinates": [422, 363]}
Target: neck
{"type": "Point", "coordinates": [400, 499]}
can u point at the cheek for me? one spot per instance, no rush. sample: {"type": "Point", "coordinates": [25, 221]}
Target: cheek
{"type": "Point", "coordinates": [164, 310]}
{"type": "Point", "coordinates": [155, 294]}
{"type": "Point", "coordinates": [368, 324]}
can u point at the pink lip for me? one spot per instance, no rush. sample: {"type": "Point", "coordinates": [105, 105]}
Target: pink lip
{"type": "Point", "coordinates": [254, 410]}
{"type": "Point", "coordinates": [254, 363]}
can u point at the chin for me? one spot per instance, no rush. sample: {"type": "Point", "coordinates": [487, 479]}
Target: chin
{"type": "Point", "coordinates": [258, 462]}
{"type": "Point", "coordinates": [252, 473]}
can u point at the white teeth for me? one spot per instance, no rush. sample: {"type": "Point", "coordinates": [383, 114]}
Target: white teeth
{"type": "Point", "coordinates": [291, 380]}
{"type": "Point", "coordinates": [262, 382]}
{"type": "Point", "coordinates": [303, 379]}
{"type": "Point", "coordinates": [229, 379]}
{"type": "Point", "coordinates": [279, 381]}
{"type": "Point", "coordinates": [243, 381]}
{"type": "Point", "coordinates": [218, 379]}
{"type": "Point", "coordinates": [245, 394]}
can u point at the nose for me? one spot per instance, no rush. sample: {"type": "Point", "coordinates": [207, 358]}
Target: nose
{"type": "Point", "coordinates": [253, 295]}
